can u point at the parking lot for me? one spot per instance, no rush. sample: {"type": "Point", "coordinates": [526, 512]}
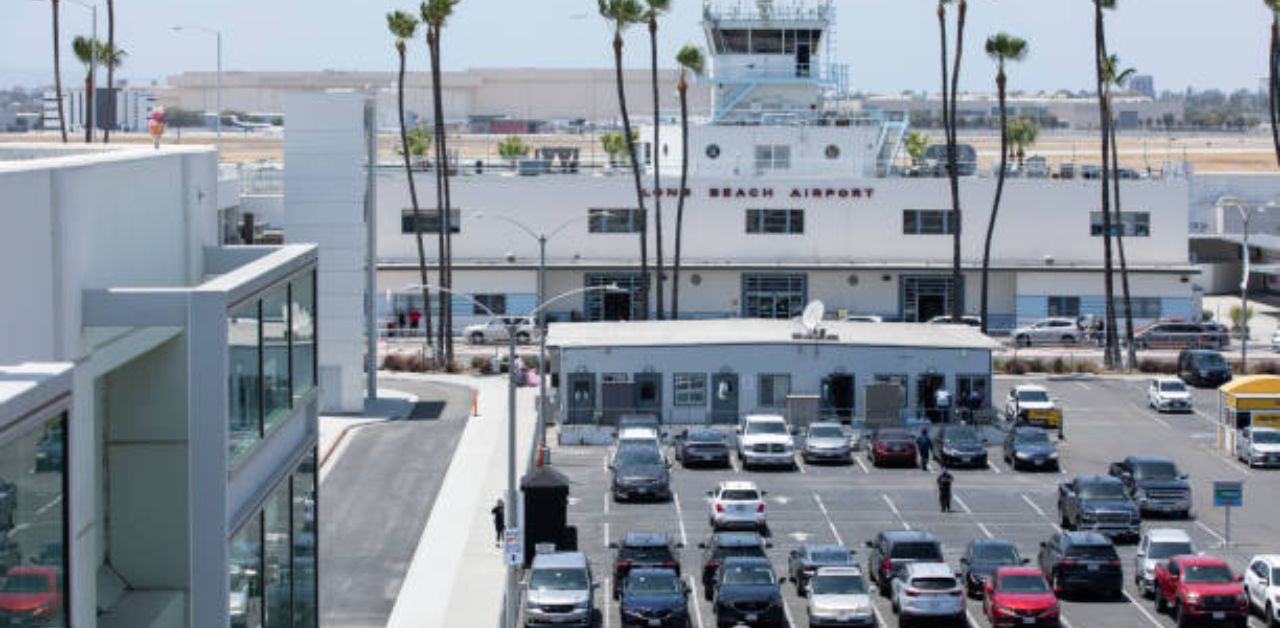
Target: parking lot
{"type": "Point", "coordinates": [1106, 419]}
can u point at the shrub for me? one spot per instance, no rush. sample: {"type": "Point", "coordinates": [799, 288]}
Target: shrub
{"type": "Point", "coordinates": [1059, 366]}
{"type": "Point", "coordinates": [1087, 366]}
{"type": "Point", "coordinates": [479, 363]}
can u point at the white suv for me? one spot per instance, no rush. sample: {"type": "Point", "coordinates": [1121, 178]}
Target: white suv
{"type": "Point", "coordinates": [1048, 331]}
{"type": "Point", "coordinates": [765, 440]}
{"type": "Point", "coordinates": [1168, 394]}
{"type": "Point", "coordinates": [495, 330]}
{"type": "Point", "coordinates": [928, 591]}
{"type": "Point", "coordinates": [1156, 546]}
{"type": "Point", "coordinates": [736, 505]}
{"type": "Point", "coordinates": [1262, 585]}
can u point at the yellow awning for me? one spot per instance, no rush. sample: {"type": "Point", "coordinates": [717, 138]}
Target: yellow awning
{"type": "Point", "coordinates": [1253, 385]}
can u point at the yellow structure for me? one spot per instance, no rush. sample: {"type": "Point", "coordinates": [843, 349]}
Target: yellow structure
{"type": "Point", "coordinates": [1251, 401]}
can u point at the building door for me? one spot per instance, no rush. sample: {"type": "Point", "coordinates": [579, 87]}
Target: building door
{"type": "Point", "coordinates": [599, 305]}
{"type": "Point", "coordinates": [616, 307]}
{"type": "Point", "coordinates": [926, 385]}
{"type": "Point", "coordinates": [803, 54]}
{"type": "Point", "coordinates": [837, 396]}
{"type": "Point", "coordinates": [649, 394]}
{"type": "Point", "coordinates": [582, 397]}
{"type": "Point", "coordinates": [617, 397]}
{"type": "Point", "coordinates": [926, 296]}
{"type": "Point", "coordinates": [724, 398]}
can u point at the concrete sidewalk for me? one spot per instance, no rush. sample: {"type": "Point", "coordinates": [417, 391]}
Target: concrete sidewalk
{"type": "Point", "coordinates": [391, 405]}
{"type": "Point", "coordinates": [457, 574]}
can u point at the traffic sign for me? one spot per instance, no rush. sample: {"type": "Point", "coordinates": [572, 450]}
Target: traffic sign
{"type": "Point", "coordinates": [512, 548]}
{"type": "Point", "coordinates": [1228, 494]}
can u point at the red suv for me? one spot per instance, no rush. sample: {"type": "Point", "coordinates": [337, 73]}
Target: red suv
{"type": "Point", "coordinates": [1020, 596]}
{"type": "Point", "coordinates": [1201, 589]}
{"type": "Point", "coordinates": [31, 595]}
{"type": "Point", "coordinates": [892, 445]}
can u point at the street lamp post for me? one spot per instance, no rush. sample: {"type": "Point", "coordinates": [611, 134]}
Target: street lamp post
{"type": "Point", "coordinates": [1246, 211]}
{"type": "Point", "coordinates": [217, 34]}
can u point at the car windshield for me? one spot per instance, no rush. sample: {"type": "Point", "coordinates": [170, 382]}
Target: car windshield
{"type": "Point", "coordinates": [1210, 360]}
{"type": "Point", "coordinates": [635, 456]}
{"type": "Point", "coordinates": [1161, 551]}
{"type": "Point", "coordinates": [747, 551]}
{"type": "Point", "coordinates": [1173, 386]}
{"type": "Point", "coordinates": [766, 427]}
{"type": "Point", "coordinates": [829, 556]}
{"type": "Point", "coordinates": [934, 584]}
{"type": "Point", "coordinates": [705, 436]}
{"type": "Point", "coordinates": [646, 554]}
{"type": "Point", "coordinates": [558, 580]}
{"type": "Point", "coordinates": [1023, 584]}
{"type": "Point", "coordinates": [1207, 573]}
{"type": "Point", "coordinates": [1033, 396]}
{"type": "Point", "coordinates": [1155, 471]}
{"type": "Point", "coordinates": [24, 583]}
{"type": "Point", "coordinates": [961, 435]}
{"type": "Point", "coordinates": [739, 495]}
{"type": "Point", "coordinates": [995, 553]}
{"type": "Point", "coordinates": [1102, 490]}
{"type": "Point", "coordinates": [748, 574]}
{"type": "Point", "coordinates": [1267, 437]}
{"type": "Point", "coordinates": [653, 585]}
{"type": "Point", "coordinates": [839, 585]}
{"type": "Point", "coordinates": [826, 431]}
{"type": "Point", "coordinates": [916, 551]}
{"type": "Point", "coordinates": [1032, 438]}
{"type": "Point", "coordinates": [1092, 552]}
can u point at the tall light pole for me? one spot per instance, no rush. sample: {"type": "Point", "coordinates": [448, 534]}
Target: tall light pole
{"type": "Point", "coordinates": [92, 101]}
{"type": "Point", "coordinates": [217, 35]}
{"type": "Point", "coordinates": [1246, 211]}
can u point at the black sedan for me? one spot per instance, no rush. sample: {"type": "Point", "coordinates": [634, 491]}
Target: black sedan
{"type": "Point", "coordinates": [960, 446]}
{"type": "Point", "coordinates": [746, 592]}
{"type": "Point", "coordinates": [805, 560]}
{"type": "Point", "coordinates": [982, 558]}
{"type": "Point", "coordinates": [640, 472]}
{"type": "Point", "coordinates": [1030, 448]}
{"type": "Point", "coordinates": [701, 446]}
{"type": "Point", "coordinates": [654, 597]}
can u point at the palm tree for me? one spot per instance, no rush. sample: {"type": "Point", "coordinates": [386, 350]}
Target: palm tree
{"type": "Point", "coordinates": [1022, 134]}
{"type": "Point", "coordinates": [654, 8]}
{"type": "Point", "coordinates": [434, 14]}
{"type": "Point", "coordinates": [57, 69]}
{"type": "Point", "coordinates": [1117, 78]}
{"type": "Point", "coordinates": [111, 71]}
{"type": "Point", "coordinates": [89, 52]}
{"type": "Point", "coordinates": [917, 143]}
{"type": "Point", "coordinates": [1111, 356]}
{"type": "Point", "coordinates": [403, 27]}
{"type": "Point", "coordinates": [1002, 47]}
{"type": "Point", "coordinates": [621, 14]}
{"type": "Point", "coordinates": [690, 60]}
{"type": "Point", "coordinates": [1273, 73]}
{"type": "Point", "coordinates": [949, 94]}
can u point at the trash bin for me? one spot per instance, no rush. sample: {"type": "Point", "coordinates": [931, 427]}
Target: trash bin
{"type": "Point", "coordinates": [546, 511]}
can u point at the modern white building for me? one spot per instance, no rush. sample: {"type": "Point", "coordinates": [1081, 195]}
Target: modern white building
{"type": "Point", "coordinates": [132, 109]}
{"type": "Point", "coordinates": [166, 475]}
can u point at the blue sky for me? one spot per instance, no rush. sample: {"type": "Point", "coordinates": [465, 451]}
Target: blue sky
{"type": "Point", "coordinates": [890, 45]}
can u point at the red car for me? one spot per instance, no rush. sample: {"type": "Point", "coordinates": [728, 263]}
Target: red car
{"type": "Point", "coordinates": [892, 445]}
{"type": "Point", "coordinates": [1201, 589]}
{"type": "Point", "coordinates": [1020, 596]}
{"type": "Point", "coordinates": [31, 595]}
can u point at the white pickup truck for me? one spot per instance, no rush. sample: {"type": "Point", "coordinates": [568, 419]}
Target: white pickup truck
{"type": "Point", "coordinates": [765, 440]}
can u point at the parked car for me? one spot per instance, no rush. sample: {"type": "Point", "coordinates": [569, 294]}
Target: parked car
{"type": "Point", "coordinates": [982, 558]}
{"type": "Point", "coordinates": [10, 553]}
{"type": "Point", "coordinates": [1083, 562]}
{"type": "Point", "coordinates": [804, 561]}
{"type": "Point", "coordinates": [722, 545]}
{"type": "Point", "coordinates": [701, 446]}
{"type": "Point", "coordinates": [747, 592]}
{"type": "Point", "coordinates": [640, 436]}
{"type": "Point", "coordinates": [1200, 367]}
{"type": "Point", "coordinates": [1031, 404]}
{"type": "Point", "coordinates": [1166, 394]}
{"type": "Point", "coordinates": [31, 596]}
{"type": "Point", "coordinates": [863, 318]}
{"type": "Point", "coordinates": [1020, 596]}
{"type": "Point", "coordinates": [639, 472]}
{"type": "Point", "coordinates": [1158, 545]}
{"type": "Point", "coordinates": [1050, 331]}
{"type": "Point", "coordinates": [1216, 334]}
{"type": "Point", "coordinates": [1258, 446]}
{"type": "Point", "coordinates": [838, 597]}
{"type": "Point", "coordinates": [928, 591]}
{"type": "Point", "coordinates": [893, 550]}
{"type": "Point", "coordinates": [765, 440]}
{"type": "Point", "coordinates": [892, 445]}
{"type": "Point", "coordinates": [1275, 340]}
{"type": "Point", "coordinates": [1099, 504]}
{"type": "Point", "coordinates": [1090, 171]}
{"type": "Point", "coordinates": [826, 442]}
{"type": "Point", "coordinates": [654, 597]}
{"type": "Point", "coordinates": [737, 505]}
{"type": "Point", "coordinates": [936, 155]}
{"type": "Point", "coordinates": [648, 422]}
{"type": "Point", "coordinates": [1155, 484]}
{"type": "Point", "coordinates": [945, 319]}
{"type": "Point", "coordinates": [642, 550]}
{"type": "Point", "coordinates": [50, 451]}
{"type": "Point", "coordinates": [498, 330]}
{"type": "Point", "coordinates": [960, 446]}
{"type": "Point", "coordinates": [1262, 585]}
{"type": "Point", "coordinates": [1198, 588]}
{"type": "Point", "coordinates": [1176, 335]}
{"type": "Point", "coordinates": [1030, 447]}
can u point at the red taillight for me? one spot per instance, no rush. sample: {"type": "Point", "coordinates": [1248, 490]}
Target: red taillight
{"type": "Point", "coordinates": [713, 563]}
{"type": "Point", "coordinates": [1069, 562]}
{"type": "Point", "coordinates": [719, 507]}
{"type": "Point", "coordinates": [912, 593]}
{"type": "Point", "coordinates": [621, 564]}
{"type": "Point", "coordinates": [886, 566]}
{"type": "Point", "coordinates": [670, 563]}
{"type": "Point", "coordinates": [1113, 563]}
{"type": "Point", "coordinates": [760, 507]}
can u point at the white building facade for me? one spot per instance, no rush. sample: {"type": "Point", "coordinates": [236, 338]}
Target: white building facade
{"type": "Point", "coordinates": [132, 109]}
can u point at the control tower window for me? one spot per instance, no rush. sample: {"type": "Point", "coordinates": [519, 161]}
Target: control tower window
{"type": "Point", "coordinates": [733, 41]}
{"type": "Point", "coordinates": [766, 42]}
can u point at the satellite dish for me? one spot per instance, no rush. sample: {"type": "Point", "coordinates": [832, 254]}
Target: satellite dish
{"type": "Point", "coordinates": [812, 315]}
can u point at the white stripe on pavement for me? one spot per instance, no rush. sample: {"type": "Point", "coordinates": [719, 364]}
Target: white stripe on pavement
{"type": "Point", "coordinates": [1033, 505]}
{"type": "Point", "coordinates": [827, 516]}
{"type": "Point", "coordinates": [1211, 532]}
{"type": "Point", "coordinates": [862, 465]}
{"type": "Point", "coordinates": [962, 504]}
{"type": "Point", "coordinates": [896, 512]}
{"type": "Point", "coordinates": [675, 499]}
{"type": "Point", "coordinates": [697, 611]}
{"type": "Point", "coordinates": [1145, 613]}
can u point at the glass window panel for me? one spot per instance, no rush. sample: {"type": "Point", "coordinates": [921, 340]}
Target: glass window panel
{"type": "Point", "coordinates": [278, 558]}
{"type": "Point", "coordinates": [774, 390]}
{"type": "Point", "coordinates": [245, 415]}
{"type": "Point", "coordinates": [303, 337]}
{"type": "Point", "coordinates": [766, 42]}
{"type": "Point", "coordinates": [1064, 306]}
{"type": "Point", "coordinates": [775, 221]}
{"type": "Point", "coordinates": [496, 303]}
{"type": "Point", "coordinates": [691, 389]}
{"type": "Point", "coordinates": [275, 356]}
{"type": "Point", "coordinates": [910, 221]}
{"type": "Point", "coordinates": [304, 544]}
{"type": "Point", "coordinates": [797, 221]}
{"type": "Point", "coordinates": [32, 519]}
{"type": "Point", "coordinates": [244, 574]}
{"type": "Point", "coordinates": [931, 222]}
{"type": "Point", "coordinates": [733, 41]}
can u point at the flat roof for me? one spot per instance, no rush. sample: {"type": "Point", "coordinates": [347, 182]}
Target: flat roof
{"type": "Point", "coordinates": [751, 331]}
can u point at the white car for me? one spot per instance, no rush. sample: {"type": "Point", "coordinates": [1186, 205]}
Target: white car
{"type": "Point", "coordinates": [1262, 586]}
{"type": "Point", "coordinates": [863, 318]}
{"type": "Point", "coordinates": [838, 597]}
{"type": "Point", "coordinates": [1168, 394]}
{"type": "Point", "coordinates": [1050, 331]}
{"type": "Point", "coordinates": [826, 441]}
{"type": "Point", "coordinates": [1275, 340]}
{"type": "Point", "coordinates": [737, 505]}
{"type": "Point", "coordinates": [929, 592]}
{"type": "Point", "coordinates": [1156, 546]}
{"type": "Point", "coordinates": [638, 436]}
{"type": "Point", "coordinates": [1032, 404]}
{"type": "Point", "coordinates": [497, 330]}
{"type": "Point", "coordinates": [765, 440]}
{"type": "Point", "coordinates": [1259, 446]}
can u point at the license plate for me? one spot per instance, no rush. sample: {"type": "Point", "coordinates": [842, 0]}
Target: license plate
{"type": "Point", "coordinates": [655, 622]}
{"type": "Point", "coordinates": [1039, 463]}
{"type": "Point", "coordinates": [1219, 615]}
{"type": "Point", "coordinates": [966, 459]}
{"type": "Point", "coordinates": [1028, 620]}
{"type": "Point", "coordinates": [753, 617]}
{"type": "Point", "coordinates": [1093, 567]}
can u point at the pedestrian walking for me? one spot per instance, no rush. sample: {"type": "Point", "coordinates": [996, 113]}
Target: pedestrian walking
{"type": "Point", "coordinates": [924, 445]}
{"type": "Point", "coordinates": [942, 405]}
{"type": "Point", "coordinates": [415, 315]}
{"type": "Point", "coordinates": [499, 521]}
{"type": "Point", "coordinates": [944, 489]}
{"type": "Point", "coordinates": [400, 320]}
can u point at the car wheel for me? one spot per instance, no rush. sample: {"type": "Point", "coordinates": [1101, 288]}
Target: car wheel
{"type": "Point", "coordinates": [1022, 341]}
{"type": "Point", "coordinates": [522, 337]}
{"type": "Point", "coordinates": [1068, 340]}
{"type": "Point", "coordinates": [1271, 617]}
{"type": "Point", "coordinates": [1161, 605]}
{"type": "Point", "coordinates": [476, 338]}
{"type": "Point", "coordinates": [1179, 617]}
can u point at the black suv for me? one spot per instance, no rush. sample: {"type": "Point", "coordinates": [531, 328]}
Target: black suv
{"type": "Point", "coordinates": [639, 550]}
{"type": "Point", "coordinates": [960, 446]}
{"type": "Point", "coordinates": [640, 471]}
{"type": "Point", "coordinates": [1155, 484]}
{"type": "Point", "coordinates": [892, 550]}
{"type": "Point", "coordinates": [724, 545]}
{"type": "Point", "coordinates": [1082, 561]}
{"type": "Point", "coordinates": [1200, 367]}
{"type": "Point", "coordinates": [747, 592]}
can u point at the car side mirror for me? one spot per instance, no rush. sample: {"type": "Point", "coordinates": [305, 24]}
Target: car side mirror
{"type": "Point", "coordinates": [711, 493]}
{"type": "Point", "coordinates": [808, 589]}
{"type": "Point", "coordinates": [1184, 476]}
{"type": "Point", "coordinates": [679, 545]}
{"type": "Point", "coordinates": [1025, 561]}
{"type": "Point", "coordinates": [763, 493]}
{"type": "Point", "coordinates": [1239, 577]}
{"type": "Point", "coordinates": [1043, 545]}
{"type": "Point", "coordinates": [595, 585]}
{"type": "Point", "coordinates": [613, 545]}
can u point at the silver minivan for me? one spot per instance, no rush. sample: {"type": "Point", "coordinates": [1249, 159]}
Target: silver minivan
{"type": "Point", "coordinates": [559, 591]}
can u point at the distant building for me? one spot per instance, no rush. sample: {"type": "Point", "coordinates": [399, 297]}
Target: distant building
{"type": "Point", "coordinates": [1143, 85]}
{"type": "Point", "coordinates": [1065, 111]}
{"type": "Point", "coordinates": [132, 108]}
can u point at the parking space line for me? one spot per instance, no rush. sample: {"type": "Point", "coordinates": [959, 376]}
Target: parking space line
{"type": "Point", "coordinates": [897, 513]}
{"type": "Point", "coordinates": [1083, 385]}
{"type": "Point", "coordinates": [1033, 506]}
{"type": "Point", "coordinates": [675, 499]}
{"type": "Point", "coordinates": [985, 531]}
{"type": "Point", "coordinates": [608, 596]}
{"type": "Point", "coordinates": [827, 516]}
{"type": "Point", "coordinates": [606, 534]}
{"type": "Point", "coordinates": [800, 464]}
{"type": "Point", "coordinates": [994, 467]}
{"type": "Point", "coordinates": [606, 502]}
{"type": "Point", "coordinates": [697, 610]}
{"type": "Point", "coordinates": [1145, 613]}
{"type": "Point", "coordinates": [1211, 532]}
{"type": "Point", "coordinates": [963, 505]}
{"type": "Point", "coordinates": [733, 462]}
{"type": "Point", "coordinates": [786, 611]}
{"type": "Point", "coordinates": [973, 621]}
{"type": "Point", "coordinates": [862, 465]}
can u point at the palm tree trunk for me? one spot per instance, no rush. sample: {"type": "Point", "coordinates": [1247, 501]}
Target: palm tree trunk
{"type": "Point", "coordinates": [1131, 354]}
{"type": "Point", "coordinates": [446, 220]}
{"type": "Point", "coordinates": [88, 107]}
{"type": "Point", "coordinates": [953, 172]}
{"type": "Point", "coordinates": [57, 71]}
{"type": "Point", "coordinates": [946, 121]}
{"type": "Point", "coordinates": [657, 177]}
{"type": "Point", "coordinates": [1112, 353]}
{"type": "Point", "coordinates": [1273, 67]}
{"type": "Point", "coordinates": [684, 178]}
{"type": "Point", "coordinates": [635, 175]}
{"type": "Point", "coordinates": [111, 71]}
{"type": "Point", "coordinates": [444, 297]}
{"type": "Point", "coordinates": [995, 206]}
{"type": "Point", "coordinates": [417, 214]}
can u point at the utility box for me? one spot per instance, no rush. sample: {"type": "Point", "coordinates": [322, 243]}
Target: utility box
{"type": "Point", "coordinates": [546, 512]}
{"type": "Point", "coordinates": [802, 410]}
{"type": "Point", "coordinates": [885, 401]}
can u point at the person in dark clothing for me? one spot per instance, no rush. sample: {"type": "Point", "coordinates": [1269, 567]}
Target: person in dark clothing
{"type": "Point", "coordinates": [499, 521]}
{"type": "Point", "coordinates": [923, 446]}
{"type": "Point", "coordinates": [944, 489]}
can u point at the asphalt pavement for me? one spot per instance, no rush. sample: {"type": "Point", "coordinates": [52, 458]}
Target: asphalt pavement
{"type": "Point", "coordinates": [1106, 420]}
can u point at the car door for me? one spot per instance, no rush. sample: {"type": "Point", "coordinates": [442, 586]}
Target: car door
{"type": "Point", "coordinates": [1010, 405]}
{"type": "Point", "coordinates": [1153, 394]}
{"type": "Point", "coordinates": [1254, 585]}
{"type": "Point", "coordinates": [1144, 547]}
